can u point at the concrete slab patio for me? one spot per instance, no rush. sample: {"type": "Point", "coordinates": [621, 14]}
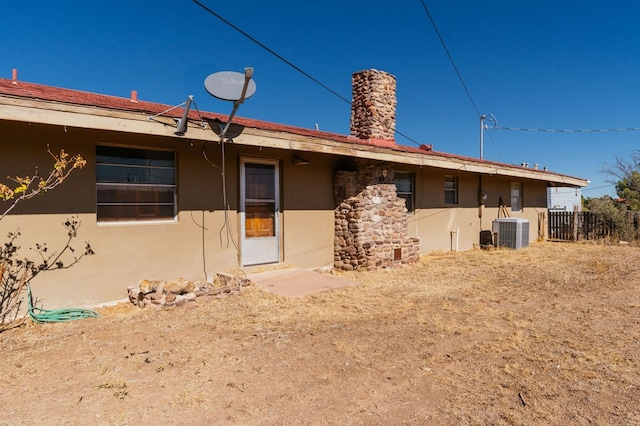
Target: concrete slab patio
{"type": "Point", "coordinates": [297, 282]}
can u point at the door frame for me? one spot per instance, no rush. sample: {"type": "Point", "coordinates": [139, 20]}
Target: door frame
{"type": "Point", "coordinates": [271, 244]}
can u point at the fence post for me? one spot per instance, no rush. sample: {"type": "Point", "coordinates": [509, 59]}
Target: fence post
{"type": "Point", "coordinates": [575, 226]}
{"type": "Point", "coordinates": [542, 225]}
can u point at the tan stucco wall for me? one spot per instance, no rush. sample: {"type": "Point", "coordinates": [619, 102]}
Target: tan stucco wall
{"type": "Point", "coordinates": [308, 238]}
{"type": "Point", "coordinates": [308, 217]}
{"type": "Point", "coordinates": [125, 254]}
{"type": "Point", "coordinates": [443, 227]}
{"type": "Point", "coordinates": [199, 242]}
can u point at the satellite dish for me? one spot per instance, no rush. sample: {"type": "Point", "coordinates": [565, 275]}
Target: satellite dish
{"type": "Point", "coordinates": [233, 131]}
{"type": "Point", "coordinates": [228, 85]}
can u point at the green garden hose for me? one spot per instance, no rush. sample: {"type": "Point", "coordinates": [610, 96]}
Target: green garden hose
{"type": "Point", "coordinates": [39, 315]}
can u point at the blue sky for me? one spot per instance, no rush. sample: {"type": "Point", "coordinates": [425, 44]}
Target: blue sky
{"type": "Point", "coordinates": [539, 65]}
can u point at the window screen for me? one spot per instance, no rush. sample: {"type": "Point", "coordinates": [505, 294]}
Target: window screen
{"type": "Point", "coordinates": [405, 187]}
{"type": "Point", "coordinates": [135, 184]}
{"type": "Point", "coordinates": [451, 190]}
{"type": "Point", "coordinates": [516, 196]}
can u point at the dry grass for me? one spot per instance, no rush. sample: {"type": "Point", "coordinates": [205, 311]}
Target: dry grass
{"type": "Point", "coordinates": [545, 335]}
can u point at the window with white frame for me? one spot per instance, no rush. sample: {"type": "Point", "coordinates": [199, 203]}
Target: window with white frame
{"type": "Point", "coordinates": [404, 188]}
{"type": "Point", "coordinates": [451, 189]}
{"type": "Point", "coordinates": [135, 184]}
{"type": "Point", "coordinates": [516, 196]}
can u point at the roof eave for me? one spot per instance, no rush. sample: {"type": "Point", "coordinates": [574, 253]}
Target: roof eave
{"type": "Point", "coordinates": [49, 112]}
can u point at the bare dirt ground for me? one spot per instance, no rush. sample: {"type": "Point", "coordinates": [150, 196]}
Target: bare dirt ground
{"type": "Point", "coordinates": [545, 335]}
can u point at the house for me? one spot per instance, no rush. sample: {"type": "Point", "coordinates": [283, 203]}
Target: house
{"type": "Point", "coordinates": [156, 203]}
{"type": "Point", "coordinates": [564, 199]}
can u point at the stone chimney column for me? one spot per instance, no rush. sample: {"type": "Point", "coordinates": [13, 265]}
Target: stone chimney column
{"type": "Point", "coordinates": [373, 108]}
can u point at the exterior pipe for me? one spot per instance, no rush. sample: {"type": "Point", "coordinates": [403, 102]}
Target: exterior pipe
{"type": "Point", "coordinates": [457, 240]}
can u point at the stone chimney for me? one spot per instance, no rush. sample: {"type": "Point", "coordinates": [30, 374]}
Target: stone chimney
{"type": "Point", "coordinates": [373, 108]}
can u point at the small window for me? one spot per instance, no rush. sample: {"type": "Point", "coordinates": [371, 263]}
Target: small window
{"type": "Point", "coordinates": [135, 184]}
{"type": "Point", "coordinates": [451, 190]}
{"type": "Point", "coordinates": [404, 188]}
{"type": "Point", "coordinates": [516, 196]}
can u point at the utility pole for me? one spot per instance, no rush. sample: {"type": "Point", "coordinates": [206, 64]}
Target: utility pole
{"type": "Point", "coordinates": [482, 127]}
{"type": "Point", "coordinates": [482, 118]}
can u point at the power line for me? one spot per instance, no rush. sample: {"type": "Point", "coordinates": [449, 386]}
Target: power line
{"type": "Point", "coordinates": [567, 130]}
{"type": "Point", "coordinates": [301, 71]}
{"type": "Point", "coordinates": [597, 187]}
{"type": "Point", "coordinates": [455, 67]}
{"type": "Point", "coordinates": [495, 146]}
{"type": "Point", "coordinates": [271, 51]}
{"type": "Point", "coordinates": [466, 89]}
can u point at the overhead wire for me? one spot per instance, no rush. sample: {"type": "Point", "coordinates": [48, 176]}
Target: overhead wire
{"type": "Point", "coordinates": [466, 89]}
{"type": "Point", "coordinates": [309, 76]}
{"type": "Point", "coordinates": [495, 146]}
{"type": "Point", "coordinates": [567, 130]}
{"type": "Point", "coordinates": [457, 71]}
{"type": "Point", "coordinates": [291, 64]}
{"type": "Point", "coordinates": [523, 129]}
{"type": "Point", "coordinates": [444, 46]}
{"type": "Point", "coordinates": [473, 103]}
{"type": "Point", "coordinates": [597, 187]}
{"type": "Point", "coordinates": [451, 60]}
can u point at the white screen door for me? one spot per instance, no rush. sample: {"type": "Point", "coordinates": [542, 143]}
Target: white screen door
{"type": "Point", "coordinates": [259, 207]}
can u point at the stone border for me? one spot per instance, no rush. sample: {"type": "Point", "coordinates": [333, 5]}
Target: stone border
{"type": "Point", "coordinates": [164, 293]}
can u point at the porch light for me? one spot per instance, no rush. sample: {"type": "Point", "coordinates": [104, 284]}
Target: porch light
{"type": "Point", "coordinates": [299, 161]}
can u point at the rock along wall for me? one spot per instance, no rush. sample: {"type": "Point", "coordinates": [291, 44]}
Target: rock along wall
{"type": "Point", "coordinates": [371, 229]}
{"type": "Point", "coordinates": [164, 293]}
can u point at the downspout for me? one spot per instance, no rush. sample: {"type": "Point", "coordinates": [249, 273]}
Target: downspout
{"type": "Point", "coordinates": [457, 243]}
{"type": "Point", "coordinates": [480, 200]}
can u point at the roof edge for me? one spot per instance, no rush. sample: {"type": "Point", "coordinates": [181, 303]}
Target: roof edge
{"type": "Point", "coordinates": [423, 155]}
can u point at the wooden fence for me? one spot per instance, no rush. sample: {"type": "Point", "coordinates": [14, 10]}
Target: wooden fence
{"type": "Point", "coordinates": [574, 226]}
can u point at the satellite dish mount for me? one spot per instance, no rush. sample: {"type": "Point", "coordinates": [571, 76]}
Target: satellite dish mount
{"type": "Point", "coordinates": [181, 125]}
{"type": "Point", "coordinates": [231, 86]}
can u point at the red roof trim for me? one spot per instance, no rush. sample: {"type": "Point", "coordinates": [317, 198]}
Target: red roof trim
{"type": "Point", "coordinates": [76, 97]}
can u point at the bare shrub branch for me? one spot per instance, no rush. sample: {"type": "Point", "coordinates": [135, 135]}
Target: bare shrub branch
{"type": "Point", "coordinates": [25, 188]}
{"type": "Point", "coordinates": [16, 271]}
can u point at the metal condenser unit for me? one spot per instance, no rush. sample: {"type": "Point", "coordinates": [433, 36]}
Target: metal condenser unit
{"type": "Point", "coordinates": [511, 232]}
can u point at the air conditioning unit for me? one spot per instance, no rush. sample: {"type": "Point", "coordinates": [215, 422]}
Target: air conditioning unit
{"type": "Point", "coordinates": [511, 232]}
